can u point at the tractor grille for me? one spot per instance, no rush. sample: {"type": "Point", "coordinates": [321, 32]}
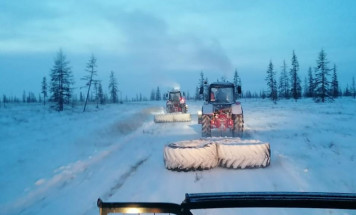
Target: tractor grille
{"type": "Point", "coordinates": [223, 107]}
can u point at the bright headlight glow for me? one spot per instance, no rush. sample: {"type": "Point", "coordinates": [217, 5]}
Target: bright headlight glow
{"type": "Point", "coordinates": [133, 211]}
{"type": "Point", "coordinates": [199, 112]}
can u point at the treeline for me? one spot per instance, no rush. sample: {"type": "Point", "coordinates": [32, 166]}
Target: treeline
{"type": "Point", "coordinates": [58, 90]}
{"type": "Point", "coordinates": [60, 86]}
{"type": "Point", "coordinates": [321, 84]}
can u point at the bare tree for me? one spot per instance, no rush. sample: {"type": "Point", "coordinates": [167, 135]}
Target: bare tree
{"type": "Point", "coordinates": [92, 72]}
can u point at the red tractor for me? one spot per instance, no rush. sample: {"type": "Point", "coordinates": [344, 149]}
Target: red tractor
{"type": "Point", "coordinates": [176, 102]}
{"type": "Point", "coordinates": [221, 110]}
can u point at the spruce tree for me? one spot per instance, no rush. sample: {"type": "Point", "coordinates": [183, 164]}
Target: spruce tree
{"type": "Point", "coordinates": [101, 94]}
{"type": "Point", "coordinates": [4, 100]}
{"type": "Point", "coordinates": [334, 84]}
{"type": "Point", "coordinates": [347, 91]}
{"type": "Point", "coordinates": [284, 82]}
{"type": "Point", "coordinates": [81, 97]}
{"type": "Point", "coordinates": [24, 96]}
{"type": "Point", "coordinates": [61, 82]}
{"type": "Point", "coordinates": [311, 84]}
{"type": "Point", "coordinates": [44, 90]}
{"type": "Point", "coordinates": [271, 82]}
{"type": "Point", "coordinates": [295, 81]}
{"type": "Point", "coordinates": [96, 92]}
{"type": "Point", "coordinates": [237, 80]}
{"type": "Point", "coordinates": [306, 87]}
{"type": "Point", "coordinates": [158, 94]}
{"type": "Point", "coordinates": [197, 93]}
{"type": "Point", "coordinates": [113, 88]}
{"type": "Point", "coordinates": [353, 88]}
{"type": "Point", "coordinates": [322, 92]}
{"type": "Point", "coordinates": [153, 95]}
{"type": "Point", "coordinates": [201, 86]}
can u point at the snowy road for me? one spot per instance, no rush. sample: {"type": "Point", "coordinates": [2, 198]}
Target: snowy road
{"type": "Point", "coordinates": [63, 165]}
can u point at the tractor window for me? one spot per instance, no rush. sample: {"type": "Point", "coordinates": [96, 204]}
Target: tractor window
{"type": "Point", "coordinates": [174, 96]}
{"type": "Point", "coordinates": [222, 95]}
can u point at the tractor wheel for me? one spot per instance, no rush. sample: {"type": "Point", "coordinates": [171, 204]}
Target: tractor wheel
{"type": "Point", "coordinates": [239, 154]}
{"type": "Point", "coordinates": [238, 125]}
{"type": "Point", "coordinates": [206, 127]}
{"type": "Point", "coordinates": [184, 109]}
{"type": "Point", "coordinates": [168, 109]}
{"type": "Point", "coordinates": [190, 155]}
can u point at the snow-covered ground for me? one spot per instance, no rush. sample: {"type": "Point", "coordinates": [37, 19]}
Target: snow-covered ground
{"type": "Point", "coordinates": [60, 163]}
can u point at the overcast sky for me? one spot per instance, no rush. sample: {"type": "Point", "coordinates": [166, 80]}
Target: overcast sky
{"type": "Point", "coordinates": [168, 43]}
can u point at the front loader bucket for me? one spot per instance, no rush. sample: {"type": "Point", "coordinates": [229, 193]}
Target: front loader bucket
{"type": "Point", "coordinates": [172, 117]}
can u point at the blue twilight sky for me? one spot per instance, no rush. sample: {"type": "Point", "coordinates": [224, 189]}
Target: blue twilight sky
{"type": "Point", "coordinates": [167, 43]}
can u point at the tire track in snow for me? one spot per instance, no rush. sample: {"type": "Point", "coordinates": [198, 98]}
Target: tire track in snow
{"type": "Point", "coordinates": [67, 173]}
{"type": "Point", "coordinates": [124, 177]}
{"type": "Point", "coordinates": [120, 182]}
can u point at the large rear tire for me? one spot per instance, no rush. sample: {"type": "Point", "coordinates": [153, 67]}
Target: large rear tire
{"type": "Point", "coordinates": [239, 154]}
{"type": "Point", "coordinates": [206, 127]}
{"type": "Point", "coordinates": [184, 109]}
{"type": "Point", "coordinates": [169, 108]}
{"type": "Point", "coordinates": [190, 155]}
{"type": "Point", "coordinates": [238, 128]}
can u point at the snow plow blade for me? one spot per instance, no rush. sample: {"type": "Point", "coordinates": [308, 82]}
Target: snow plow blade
{"type": "Point", "coordinates": [172, 117]}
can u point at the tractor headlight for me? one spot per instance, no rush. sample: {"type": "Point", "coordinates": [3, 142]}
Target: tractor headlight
{"type": "Point", "coordinates": [200, 113]}
{"type": "Point", "coordinates": [133, 210]}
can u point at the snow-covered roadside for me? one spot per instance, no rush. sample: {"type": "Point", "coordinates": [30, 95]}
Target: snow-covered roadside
{"type": "Point", "coordinates": [317, 139]}
{"type": "Point", "coordinates": [106, 154]}
{"type": "Point", "coordinates": [38, 145]}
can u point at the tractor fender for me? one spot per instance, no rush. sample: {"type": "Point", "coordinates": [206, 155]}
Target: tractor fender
{"type": "Point", "coordinates": [207, 109]}
{"type": "Point", "coordinates": [236, 108]}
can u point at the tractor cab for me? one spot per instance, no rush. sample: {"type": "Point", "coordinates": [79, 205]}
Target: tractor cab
{"type": "Point", "coordinates": [175, 96]}
{"type": "Point", "coordinates": [221, 94]}
{"type": "Point", "coordinates": [176, 102]}
{"type": "Point", "coordinates": [221, 110]}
